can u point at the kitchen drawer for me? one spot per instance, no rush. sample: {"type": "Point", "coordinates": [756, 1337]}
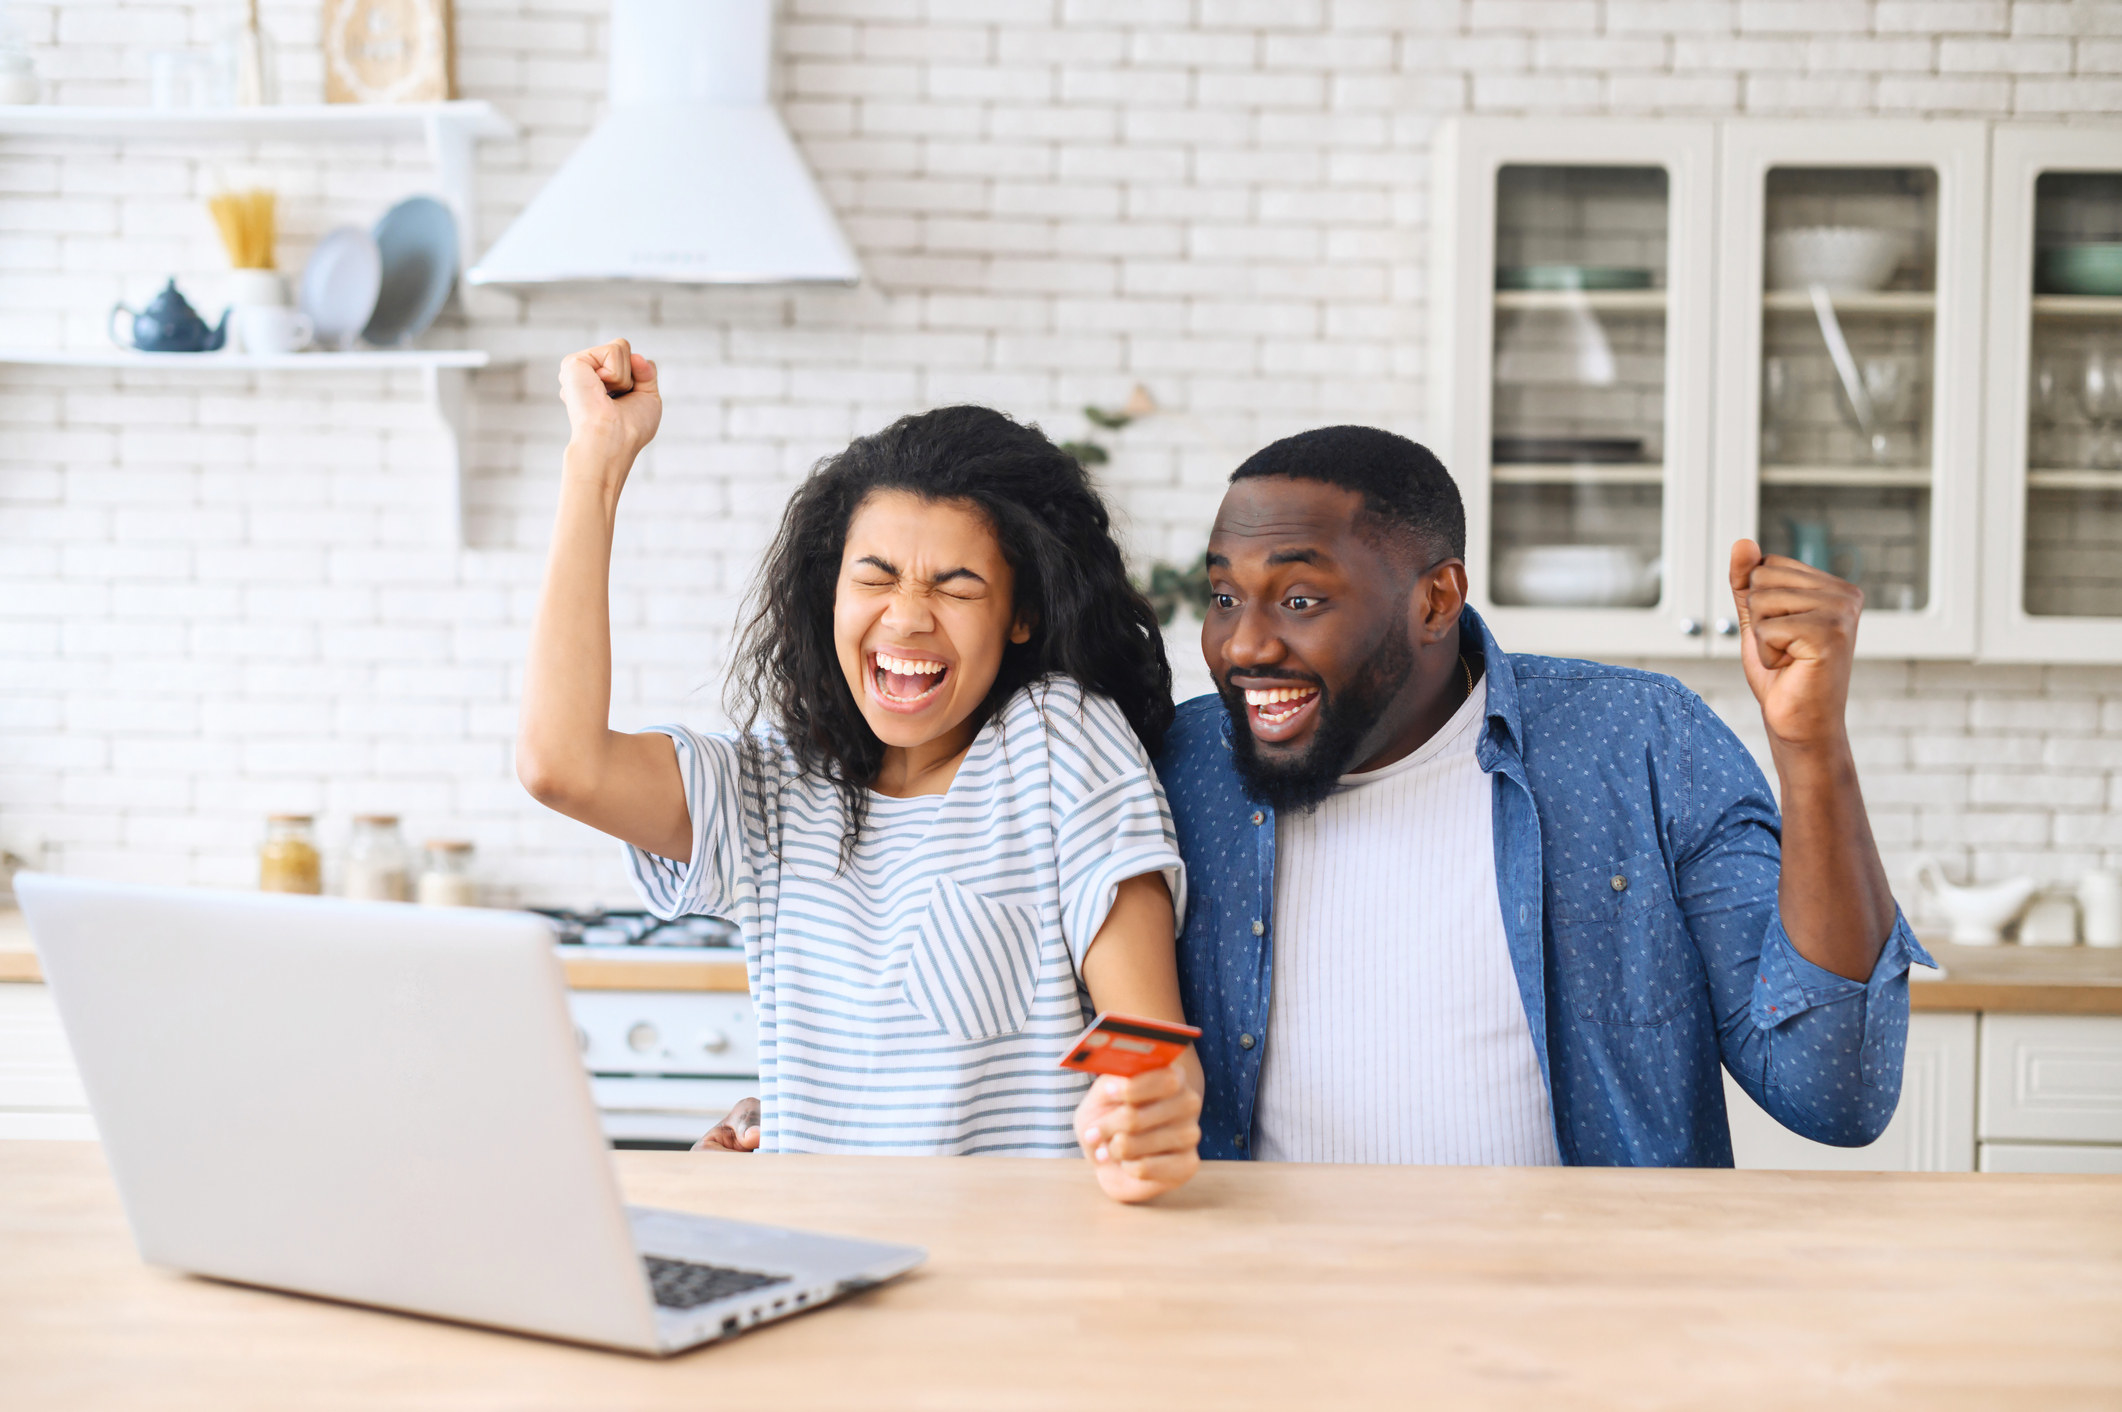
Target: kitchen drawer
{"type": "Point", "coordinates": [2093, 1158]}
{"type": "Point", "coordinates": [40, 1091]}
{"type": "Point", "coordinates": [2051, 1078]}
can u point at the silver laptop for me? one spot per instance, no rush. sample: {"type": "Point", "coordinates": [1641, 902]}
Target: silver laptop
{"type": "Point", "coordinates": [383, 1104]}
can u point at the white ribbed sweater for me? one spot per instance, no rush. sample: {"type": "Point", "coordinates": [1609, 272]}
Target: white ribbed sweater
{"type": "Point", "coordinates": [1395, 1032]}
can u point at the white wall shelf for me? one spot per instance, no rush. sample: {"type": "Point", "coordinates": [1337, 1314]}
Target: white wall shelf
{"type": "Point", "coordinates": [449, 129]}
{"type": "Point", "coordinates": [353, 360]}
{"type": "Point", "coordinates": [278, 122]}
{"type": "Point", "coordinates": [444, 375]}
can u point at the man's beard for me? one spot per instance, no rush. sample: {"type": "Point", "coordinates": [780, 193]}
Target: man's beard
{"type": "Point", "coordinates": [1345, 718]}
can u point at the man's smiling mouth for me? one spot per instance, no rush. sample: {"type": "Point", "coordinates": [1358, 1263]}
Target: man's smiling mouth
{"type": "Point", "coordinates": [1276, 713]}
{"type": "Point", "coordinates": [905, 682]}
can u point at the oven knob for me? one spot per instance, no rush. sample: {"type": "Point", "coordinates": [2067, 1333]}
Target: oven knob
{"type": "Point", "coordinates": [714, 1041]}
{"type": "Point", "coordinates": [642, 1037]}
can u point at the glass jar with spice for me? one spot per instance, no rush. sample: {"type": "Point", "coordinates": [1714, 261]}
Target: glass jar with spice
{"type": "Point", "coordinates": [446, 880]}
{"type": "Point", "coordinates": [377, 867]}
{"type": "Point", "coordinates": [288, 860]}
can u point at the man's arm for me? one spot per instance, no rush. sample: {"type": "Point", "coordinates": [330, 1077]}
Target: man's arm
{"type": "Point", "coordinates": [1797, 641]}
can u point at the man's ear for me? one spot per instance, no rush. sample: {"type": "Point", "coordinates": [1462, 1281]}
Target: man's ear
{"type": "Point", "coordinates": [1440, 596]}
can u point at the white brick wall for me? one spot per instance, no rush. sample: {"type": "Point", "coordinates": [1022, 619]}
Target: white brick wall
{"type": "Point", "coordinates": [220, 597]}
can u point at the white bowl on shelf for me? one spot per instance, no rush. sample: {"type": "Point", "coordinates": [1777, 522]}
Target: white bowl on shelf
{"type": "Point", "coordinates": [1836, 257]}
{"type": "Point", "coordinates": [1576, 576]}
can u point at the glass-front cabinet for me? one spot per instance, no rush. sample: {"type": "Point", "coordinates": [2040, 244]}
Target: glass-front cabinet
{"type": "Point", "coordinates": [1569, 374]}
{"type": "Point", "coordinates": [2054, 521]}
{"type": "Point", "coordinates": [1848, 366]}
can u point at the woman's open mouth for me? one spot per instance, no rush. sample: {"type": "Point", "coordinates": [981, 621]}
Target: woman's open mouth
{"type": "Point", "coordinates": [1278, 713]}
{"type": "Point", "coordinates": [905, 683]}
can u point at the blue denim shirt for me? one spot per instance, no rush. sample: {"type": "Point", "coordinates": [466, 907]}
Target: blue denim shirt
{"type": "Point", "coordinates": [1634, 992]}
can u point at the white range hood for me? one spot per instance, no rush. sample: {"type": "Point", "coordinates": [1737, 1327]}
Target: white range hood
{"type": "Point", "coordinates": [691, 178]}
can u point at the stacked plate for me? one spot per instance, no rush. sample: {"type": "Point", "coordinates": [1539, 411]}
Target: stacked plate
{"type": "Point", "coordinates": [384, 285]}
{"type": "Point", "coordinates": [2093, 268]}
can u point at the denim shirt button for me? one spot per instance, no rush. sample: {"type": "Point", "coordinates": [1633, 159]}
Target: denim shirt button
{"type": "Point", "coordinates": [1238, 1140]}
{"type": "Point", "coordinates": [1259, 817]}
{"type": "Point", "coordinates": [1259, 927]}
{"type": "Point", "coordinates": [1620, 884]}
{"type": "Point", "coordinates": [1245, 1041]}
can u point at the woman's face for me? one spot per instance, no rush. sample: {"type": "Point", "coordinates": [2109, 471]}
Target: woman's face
{"type": "Point", "coordinates": [921, 614]}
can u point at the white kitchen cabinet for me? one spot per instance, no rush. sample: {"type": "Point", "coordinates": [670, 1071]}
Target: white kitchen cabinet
{"type": "Point", "coordinates": [1848, 421]}
{"type": "Point", "coordinates": [2087, 1159]}
{"type": "Point", "coordinates": [1570, 375]}
{"type": "Point", "coordinates": [2054, 396]}
{"type": "Point", "coordinates": [1932, 1131]}
{"type": "Point", "coordinates": [1945, 430]}
{"type": "Point", "coordinates": [1991, 1093]}
{"type": "Point", "coordinates": [40, 1091]}
{"type": "Point", "coordinates": [2053, 1078]}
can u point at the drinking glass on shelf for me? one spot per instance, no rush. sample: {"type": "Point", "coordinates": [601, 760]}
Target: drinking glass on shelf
{"type": "Point", "coordinates": [2058, 434]}
{"type": "Point", "coordinates": [2099, 392]}
{"type": "Point", "coordinates": [1782, 406]}
{"type": "Point", "coordinates": [1882, 407]}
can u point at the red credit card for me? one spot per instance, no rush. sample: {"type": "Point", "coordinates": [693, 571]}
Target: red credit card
{"type": "Point", "coordinates": [1127, 1045]}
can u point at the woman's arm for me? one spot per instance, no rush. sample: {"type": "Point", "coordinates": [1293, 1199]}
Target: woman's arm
{"type": "Point", "coordinates": [1141, 1134]}
{"type": "Point", "coordinates": [567, 754]}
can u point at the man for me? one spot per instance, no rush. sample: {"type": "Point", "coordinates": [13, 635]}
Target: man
{"type": "Point", "coordinates": [1451, 905]}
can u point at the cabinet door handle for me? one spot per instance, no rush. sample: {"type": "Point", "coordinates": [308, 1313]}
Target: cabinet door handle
{"type": "Point", "coordinates": [1691, 627]}
{"type": "Point", "coordinates": [1727, 627]}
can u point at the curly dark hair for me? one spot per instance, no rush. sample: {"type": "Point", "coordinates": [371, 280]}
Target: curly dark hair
{"type": "Point", "coordinates": [1087, 621]}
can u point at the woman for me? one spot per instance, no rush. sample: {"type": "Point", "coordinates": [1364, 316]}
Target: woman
{"type": "Point", "coordinates": [937, 825]}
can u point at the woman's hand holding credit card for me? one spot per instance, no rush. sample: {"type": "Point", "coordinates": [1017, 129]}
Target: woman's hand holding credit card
{"type": "Point", "coordinates": [1140, 1122]}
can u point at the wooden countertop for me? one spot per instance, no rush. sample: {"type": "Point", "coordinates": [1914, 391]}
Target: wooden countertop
{"type": "Point", "coordinates": [2044, 980]}
{"type": "Point", "coordinates": [1258, 1286]}
{"type": "Point", "coordinates": [2037, 980]}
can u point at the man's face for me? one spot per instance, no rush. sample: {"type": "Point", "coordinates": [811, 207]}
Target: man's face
{"type": "Point", "coordinates": [1307, 634]}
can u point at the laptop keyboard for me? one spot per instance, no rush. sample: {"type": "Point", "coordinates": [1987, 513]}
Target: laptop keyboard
{"type": "Point", "coordinates": [680, 1284]}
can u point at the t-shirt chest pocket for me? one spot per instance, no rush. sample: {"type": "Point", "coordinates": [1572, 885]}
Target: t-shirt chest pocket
{"type": "Point", "coordinates": [1619, 938]}
{"type": "Point", "coordinates": [973, 967]}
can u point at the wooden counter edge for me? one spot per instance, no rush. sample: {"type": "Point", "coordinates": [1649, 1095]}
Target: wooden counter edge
{"type": "Point", "coordinates": [2000, 997]}
{"type": "Point", "coordinates": [598, 973]}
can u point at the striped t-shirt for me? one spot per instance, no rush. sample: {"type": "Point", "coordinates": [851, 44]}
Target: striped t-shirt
{"type": "Point", "coordinates": [915, 1000]}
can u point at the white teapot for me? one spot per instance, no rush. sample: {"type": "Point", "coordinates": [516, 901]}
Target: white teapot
{"type": "Point", "coordinates": [1978, 913]}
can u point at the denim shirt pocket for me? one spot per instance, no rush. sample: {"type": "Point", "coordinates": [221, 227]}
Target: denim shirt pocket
{"type": "Point", "coordinates": [1620, 943]}
{"type": "Point", "coordinates": [973, 967]}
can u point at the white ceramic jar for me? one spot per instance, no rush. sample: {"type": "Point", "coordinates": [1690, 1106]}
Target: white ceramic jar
{"type": "Point", "coordinates": [2100, 902]}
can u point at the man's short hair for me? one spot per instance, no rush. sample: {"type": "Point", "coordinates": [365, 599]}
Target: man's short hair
{"type": "Point", "coordinates": [1406, 491]}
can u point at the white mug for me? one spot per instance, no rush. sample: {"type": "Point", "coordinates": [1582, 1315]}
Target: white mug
{"type": "Point", "coordinates": [268, 328]}
{"type": "Point", "coordinates": [2100, 897]}
{"type": "Point", "coordinates": [256, 287]}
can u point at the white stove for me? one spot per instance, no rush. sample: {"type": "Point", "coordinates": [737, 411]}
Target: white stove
{"type": "Point", "coordinates": [664, 1065]}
